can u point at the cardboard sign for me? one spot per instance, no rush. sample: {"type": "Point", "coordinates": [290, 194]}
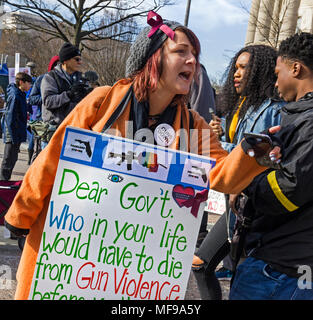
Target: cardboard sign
{"type": "Point", "coordinates": [122, 222]}
{"type": "Point", "coordinates": [216, 202]}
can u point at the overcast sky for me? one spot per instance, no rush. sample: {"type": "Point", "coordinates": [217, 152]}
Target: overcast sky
{"type": "Point", "coordinates": [220, 25]}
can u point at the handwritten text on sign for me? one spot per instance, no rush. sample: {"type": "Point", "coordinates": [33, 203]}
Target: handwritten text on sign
{"type": "Point", "coordinates": [122, 222]}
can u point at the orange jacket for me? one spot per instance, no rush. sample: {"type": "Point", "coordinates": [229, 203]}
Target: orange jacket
{"type": "Point", "coordinates": [231, 174]}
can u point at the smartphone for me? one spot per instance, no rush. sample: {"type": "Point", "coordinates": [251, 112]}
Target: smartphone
{"type": "Point", "coordinates": [262, 143]}
{"type": "Point", "coordinates": [259, 137]}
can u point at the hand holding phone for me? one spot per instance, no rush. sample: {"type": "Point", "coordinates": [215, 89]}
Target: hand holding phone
{"type": "Point", "coordinates": [261, 147]}
{"type": "Point", "coordinates": [261, 144]}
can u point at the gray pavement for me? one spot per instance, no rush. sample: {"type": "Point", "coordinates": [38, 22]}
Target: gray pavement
{"type": "Point", "coordinates": [10, 253]}
{"type": "Point", "coordinates": [9, 259]}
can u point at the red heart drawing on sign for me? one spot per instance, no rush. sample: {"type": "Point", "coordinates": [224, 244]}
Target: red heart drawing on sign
{"type": "Point", "coordinates": [181, 194]}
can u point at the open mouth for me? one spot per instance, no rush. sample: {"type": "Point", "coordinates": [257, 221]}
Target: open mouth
{"type": "Point", "coordinates": [185, 75]}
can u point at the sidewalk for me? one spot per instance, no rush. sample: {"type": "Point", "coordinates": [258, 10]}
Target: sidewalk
{"type": "Point", "coordinates": [10, 253]}
{"type": "Point", "coordinates": [21, 164]}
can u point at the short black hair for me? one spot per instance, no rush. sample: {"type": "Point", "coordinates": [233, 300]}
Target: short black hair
{"type": "Point", "coordinates": [298, 47]}
{"type": "Point", "coordinates": [22, 76]}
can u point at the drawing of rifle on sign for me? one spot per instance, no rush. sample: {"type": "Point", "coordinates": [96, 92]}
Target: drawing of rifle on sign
{"type": "Point", "coordinates": [123, 220]}
{"type": "Point", "coordinates": [146, 159]}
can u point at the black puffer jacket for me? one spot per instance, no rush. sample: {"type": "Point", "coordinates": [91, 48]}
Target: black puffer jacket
{"type": "Point", "coordinates": [281, 201]}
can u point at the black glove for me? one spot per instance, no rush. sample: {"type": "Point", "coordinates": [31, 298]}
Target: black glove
{"type": "Point", "coordinates": [77, 92]}
{"type": "Point", "coordinates": [16, 231]}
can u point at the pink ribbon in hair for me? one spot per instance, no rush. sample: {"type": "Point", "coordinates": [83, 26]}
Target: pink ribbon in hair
{"type": "Point", "coordinates": [194, 202]}
{"type": "Point", "coordinates": [158, 24]}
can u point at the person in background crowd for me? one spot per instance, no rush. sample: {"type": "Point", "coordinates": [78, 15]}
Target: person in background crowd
{"type": "Point", "coordinates": [35, 101]}
{"type": "Point", "coordinates": [160, 70]}
{"type": "Point", "coordinates": [62, 87]}
{"type": "Point", "coordinates": [92, 79]}
{"type": "Point", "coordinates": [279, 241]}
{"type": "Point", "coordinates": [251, 104]}
{"type": "Point", "coordinates": [202, 100]}
{"type": "Point", "coordinates": [32, 66]}
{"type": "Point", "coordinates": [2, 106]}
{"type": "Point", "coordinates": [202, 96]}
{"type": "Point", "coordinates": [15, 122]}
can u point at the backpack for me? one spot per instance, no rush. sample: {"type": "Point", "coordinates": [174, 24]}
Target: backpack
{"type": "Point", "coordinates": [42, 130]}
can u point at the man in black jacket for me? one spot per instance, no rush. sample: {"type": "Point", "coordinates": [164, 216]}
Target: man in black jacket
{"type": "Point", "coordinates": [279, 243]}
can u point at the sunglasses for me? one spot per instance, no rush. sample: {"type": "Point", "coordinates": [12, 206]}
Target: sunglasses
{"type": "Point", "coordinates": [77, 59]}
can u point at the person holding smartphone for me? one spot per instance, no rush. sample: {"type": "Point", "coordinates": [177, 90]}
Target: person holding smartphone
{"type": "Point", "coordinates": [250, 104]}
{"type": "Point", "coordinates": [279, 242]}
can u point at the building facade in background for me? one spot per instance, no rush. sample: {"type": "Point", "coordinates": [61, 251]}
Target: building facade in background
{"type": "Point", "coordinates": [11, 20]}
{"type": "Point", "coordinates": [272, 21]}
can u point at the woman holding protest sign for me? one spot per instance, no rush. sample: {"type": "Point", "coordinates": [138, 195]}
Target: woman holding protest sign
{"type": "Point", "coordinates": [160, 69]}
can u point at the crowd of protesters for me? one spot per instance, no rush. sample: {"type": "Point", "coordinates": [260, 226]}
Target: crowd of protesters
{"type": "Point", "coordinates": [45, 105]}
{"type": "Point", "coordinates": [269, 195]}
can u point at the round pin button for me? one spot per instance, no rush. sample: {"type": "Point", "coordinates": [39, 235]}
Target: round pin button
{"type": "Point", "coordinates": [164, 134]}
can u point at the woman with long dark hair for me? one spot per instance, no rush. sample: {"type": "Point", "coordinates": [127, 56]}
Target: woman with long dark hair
{"type": "Point", "coordinates": [250, 104]}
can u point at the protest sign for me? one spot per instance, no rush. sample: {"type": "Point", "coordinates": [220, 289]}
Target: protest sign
{"type": "Point", "coordinates": [216, 202]}
{"type": "Point", "coordinates": [123, 220]}
{"type": "Point", "coordinates": [12, 73]}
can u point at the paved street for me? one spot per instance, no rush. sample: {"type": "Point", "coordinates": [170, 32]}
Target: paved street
{"type": "Point", "coordinates": [9, 250]}
{"type": "Point", "coordinates": [9, 259]}
{"type": "Point", "coordinates": [10, 253]}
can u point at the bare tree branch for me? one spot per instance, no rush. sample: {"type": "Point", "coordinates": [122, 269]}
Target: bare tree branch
{"type": "Point", "coordinates": [270, 32]}
{"type": "Point", "coordinates": [70, 20]}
